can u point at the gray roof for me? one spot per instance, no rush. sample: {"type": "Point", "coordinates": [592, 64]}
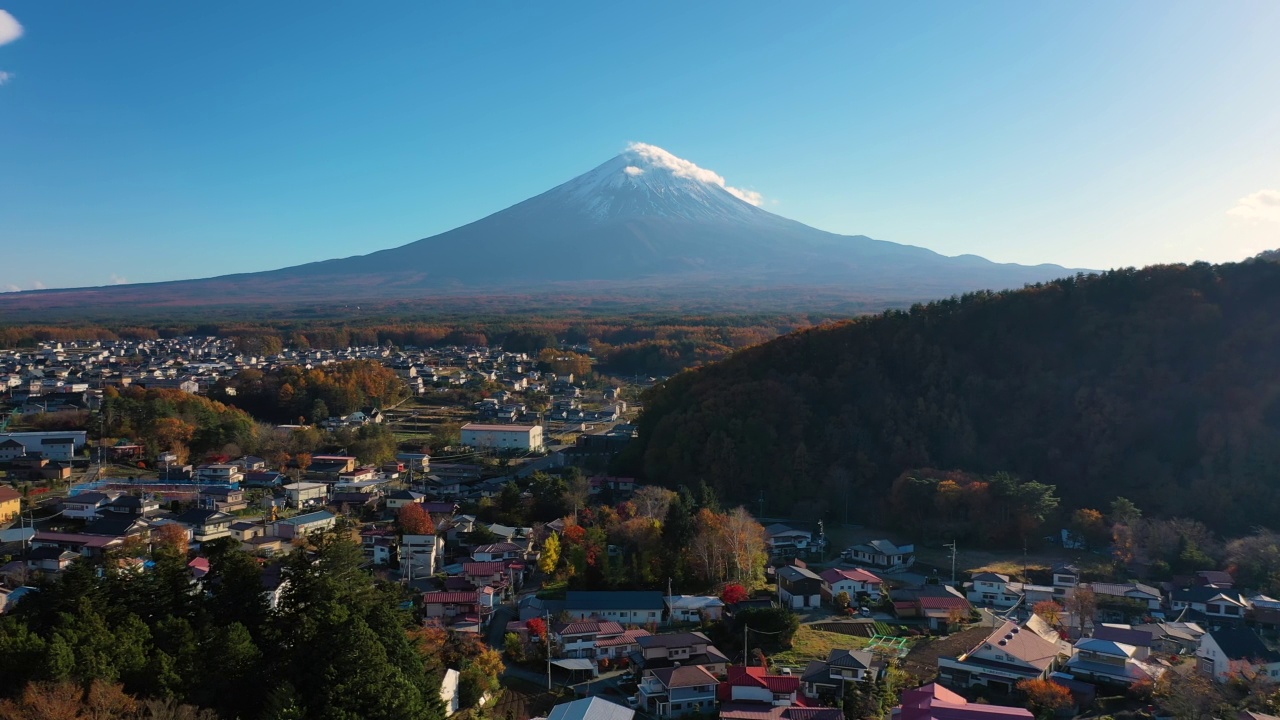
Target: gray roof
{"type": "Point", "coordinates": [791, 573]}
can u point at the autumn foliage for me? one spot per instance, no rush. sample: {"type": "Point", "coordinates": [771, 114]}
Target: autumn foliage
{"type": "Point", "coordinates": [414, 519]}
{"type": "Point", "coordinates": [734, 593]}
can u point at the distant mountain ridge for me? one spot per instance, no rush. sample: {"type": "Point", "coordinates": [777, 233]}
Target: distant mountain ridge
{"type": "Point", "coordinates": [645, 218]}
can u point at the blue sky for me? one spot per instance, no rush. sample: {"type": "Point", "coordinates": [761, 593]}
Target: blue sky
{"type": "Point", "coordinates": [159, 140]}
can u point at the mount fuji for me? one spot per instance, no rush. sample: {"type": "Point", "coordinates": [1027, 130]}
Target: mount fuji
{"type": "Point", "coordinates": [645, 221]}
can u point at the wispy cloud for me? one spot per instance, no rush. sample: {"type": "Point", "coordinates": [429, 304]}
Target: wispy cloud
{"type": "Point", "coordinates": [10, 28]}
{"type": "Point", "coordinates": [632, 170]}
{"type": "Point", "coordinates": [1262, 206]}
{"type": "Point", "coordinates": [118, 279]}
{"type": "Point", "coordinates": [38, 285]}
{"type": "Point", "coordinates": [683, 168]}
{"type": "Point", "coordinates": [10, 287]}
{"type": "Point", "coordinates": [5, 77]}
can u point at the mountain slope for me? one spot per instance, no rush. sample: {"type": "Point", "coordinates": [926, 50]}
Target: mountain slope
{"type": "Point", "coordinates": [1158, 384]}
{"type": "Point", "coordinates": [644, 219]}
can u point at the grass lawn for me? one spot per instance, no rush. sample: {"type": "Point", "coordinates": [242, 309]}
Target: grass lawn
{"type": "Point", "coordinates": [553, 590]}
{"type": "Point", "coordinates": [809, 644]}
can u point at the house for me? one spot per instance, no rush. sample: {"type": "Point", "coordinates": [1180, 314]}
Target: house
{"type": "Point", "coordinates": [1173, 638]}
{"type": "Point", "coordinates": [206, 524]}
{"type": "Point", "coordinates": [378, 544]}
{"type": "Point", "coordinates": [754, 686]}
{"type": "Point", "coordinates": [636, 607]}
{"type": "Point", "coordinates": [9, 599]}
{"type": "Point", "coordinates": [498, 551]}
{"type": "Point", "coordinates": [447, 605]}
{"type": "Point", "coordinates": [784, 541]}
{"type": "Point", "coordinates": [992, 589]}
{"type": "Point", "coordinates": [620, 646]}
{"type": "Point", "coordinates": [883, 555]}
{"type": "Point", "coordinates": [676, 691]}
{"type": "Point", "coordinates": [1066, 577]}
{"type": "Point", "coordinates": [578, 639]}
{"type": "Point", "coordinates": [1231, 649]}
{"type": "Point", "coordinates": [1211, 601]}
{"type": "Point", "coordinates": [86, 505]}
{"type": "Point", "coordinates": [678, 649]}
{"type": "Point", "coordinates": [268, 479]}
{"type": "Point", "coordinates": [11, 449]}
{"type": "Point", "coordinates": [1136, 595]}
{"type": "Point", "coordinates": [827, 679]}
{"type": "Point", "coordinates": [301, 526]}
{"type": "Point", "coordinates": [799, 587]}
{"type": "Point", "coordinates": [218, 474]}
{"type": "Point", "coordinates": [857, 582]}
{"type": "Point", "coordinates": [1009, 654]}
{"type": "Point", "coordinates": [420, 555]}
{"type": "Point", "coordinates": [79, 543]}
{"type": "Point", "coordinates": [940, 604]}
{"type": "Point", "coordinates": [10, 504]}
{"type": "Point", "coordinates": [118, 526]}
{"type": "Point", "coordinates": [694, 608]}
{"type": "Point", "coordinates": [502, 437]}
{"type": "Point", "coordinates": [483, 574]}
{"type": "Point", "coordinates": [1109, 661]}
{"type": "Point", "coordinates": [1140, 640]}
{"type": "Point", "coordinates": [399, 498]}
{"type": "Point", "coordinates": [137, 506]}
{"type": "Point", "coordinates": [304, 494]}
{"type": "Point", "coordinates": [49, 559]}
{"type": "Point", "coordinates": [590, 708]}
{"type": "Point", "coordinates": [224, 498]}
{"type": "Point", "coordinates": [934, 702]}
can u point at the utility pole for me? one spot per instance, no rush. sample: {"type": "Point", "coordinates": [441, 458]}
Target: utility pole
{"type": "Point", "coordinates": [952, 545]}
{"type": "Point", "coordinates": [744, 645]}
{"type": "Point", "coordinates": [546, 614]}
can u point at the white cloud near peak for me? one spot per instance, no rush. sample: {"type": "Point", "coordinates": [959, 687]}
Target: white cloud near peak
{"type": "Point", "coordinates": [10, 287]}
{"type": "Point", "coordinates": [118, 279]}
{"type": "Point", "coordinates": [10, 28]}
{"type": "Point", "coordinates": [680, 167]}
{"type": "Point", "coordinates": [632, 170]}
{"type": "Point", "coordinates": [1263, 206]}
{"type": "Point", "coordinates": [38, 285]}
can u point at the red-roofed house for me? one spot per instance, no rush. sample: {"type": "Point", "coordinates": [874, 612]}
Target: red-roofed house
{"type": "Point", "coordinates": [620, 646]}
{"type": "Point", "coordinates": [934, 702]}
{"type": "Point", "coordinates": [855, 582]}
{"type": "Point", "coordinates": [449, 605]}
{"type": "Point", "coordinates": [578, 639]}
{"type": "Point", "coordinates": [756, 685]}
{"type": "Point", "coordinates": [484, 573]}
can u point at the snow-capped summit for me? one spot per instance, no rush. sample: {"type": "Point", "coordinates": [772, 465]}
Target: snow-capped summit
{"type": "Point", "coordinates": [647, 181]}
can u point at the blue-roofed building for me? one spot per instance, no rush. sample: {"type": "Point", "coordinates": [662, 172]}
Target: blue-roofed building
{"type": "Point", "coordinates": [637, 607]}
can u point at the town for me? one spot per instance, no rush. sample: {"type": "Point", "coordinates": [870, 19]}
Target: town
{"type": "Point", "coordinates": [475, 483]}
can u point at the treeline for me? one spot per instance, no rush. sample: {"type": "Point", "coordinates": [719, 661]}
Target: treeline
{"type": "Point", "coordinates": [165, 420]}
{"type": "Point", "coordinates": [336, 646]}
{"type": "Point", "coordinates": [652, 344]}
{"type": "Point", "coordinates": [294, 394]}
{"type": "Point", "coordinates": [656, 535]}
{"type": "Point", "coordinates": [1157, 384]}
{"type": "Point", "coordinates": [196, 428]}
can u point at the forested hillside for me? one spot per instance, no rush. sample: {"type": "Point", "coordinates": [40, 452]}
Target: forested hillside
{"type": "Point", "coordinates": [1160, 384]}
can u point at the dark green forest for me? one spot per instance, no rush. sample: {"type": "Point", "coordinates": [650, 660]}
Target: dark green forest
{"type": "Point", "coordinates": [1160, 384]}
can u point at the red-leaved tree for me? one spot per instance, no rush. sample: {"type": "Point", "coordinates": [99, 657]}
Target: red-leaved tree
{"type": "Point", "coordinates": [415, 520]}
{"type": "Point", "coordinates": [733, 594]}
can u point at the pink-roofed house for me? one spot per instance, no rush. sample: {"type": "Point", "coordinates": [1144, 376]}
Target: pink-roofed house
{"type": "Point", "coordinates": [934, 702]}
{"type": "Point", "coordinates": [853, 581]}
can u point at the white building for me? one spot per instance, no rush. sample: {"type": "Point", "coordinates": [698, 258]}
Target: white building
{"type": "Point", "coordinates": [218, 474]}
{"type": "Point", "coordinates": [301, 495]}
{"type": "Point", "coordinates": [502, 437]}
